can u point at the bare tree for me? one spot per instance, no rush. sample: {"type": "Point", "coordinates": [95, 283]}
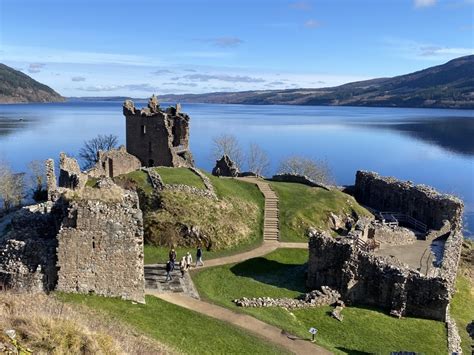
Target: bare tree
{"type": "Point", "coordinates": [227, 144]}
{"type": "Point", "coordinates": [257, 160]}
{"type": "Point", "coordinates": [12, 187]}
{"type": "Point", "coordinates": [89, 151]}
{"type": "Point", "coordinates": [37, 172]}
{"type": "Point", "coordinates": [318, 171]}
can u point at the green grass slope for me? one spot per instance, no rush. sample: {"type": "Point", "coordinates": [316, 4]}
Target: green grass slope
{"type": "Point", "coordinates": [281, 274]}
{"type": "Point", "coordinates": [186, 331]}
{"type": "Point", "coordinates": [234, 222]}
{"type": "Point", "coordinates": [302, 207]}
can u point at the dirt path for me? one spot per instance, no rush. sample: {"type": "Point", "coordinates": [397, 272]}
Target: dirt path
{"type": "Point", "coordinates": [255, 326]}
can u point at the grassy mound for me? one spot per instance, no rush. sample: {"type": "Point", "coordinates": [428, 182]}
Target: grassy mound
{"type": "Point", "coordinates": [281, 274]}
{"type": "Point", "coordinates": [233, 224]}
{"type": "Point", "coordinates": [182, 176]}
{"type": "Point", "coordinates": [302, 207]}
{"type": "Point", "coordinates": [187, 331]}
{"type": "Point", "coordinates": [47, 326]}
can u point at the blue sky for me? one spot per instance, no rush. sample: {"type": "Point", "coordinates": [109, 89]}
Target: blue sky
{"type": "Point", "coordinates": [108, 48]}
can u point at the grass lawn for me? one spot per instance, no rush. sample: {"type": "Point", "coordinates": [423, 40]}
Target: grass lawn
{"type": "Point", "coordinates": [140, 178]}
{"type": "Point", "coordinates": [302, 207]}
{"type": "Point", "coordinates": [184, 330]}
{"type": "Point", "coordinates": [281, 274]}
{"type": "Point", "coordinates": [182, 176]}
{"type": "Point", "coordinates": [462, 309]}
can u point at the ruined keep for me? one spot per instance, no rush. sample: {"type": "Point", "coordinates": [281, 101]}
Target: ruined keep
{"type": "Point", "coordinates": [85, 240]}
{"type": "Point", "coordinates": [157, 137]}
{"type": "Point", "coordinates": [362, 277]}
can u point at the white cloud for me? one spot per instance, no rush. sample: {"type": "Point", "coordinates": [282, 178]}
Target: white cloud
{"type": "Point", "coordinates": [424, 3]}
{"type": "Point", "coordinates": [222, 77]}
{"type": "Point", "coordinates": [425, 51]}
{"type": "Point", "coordinates": [78, 78]}
{"type": "Point", "coordinates": [223, 42]}
{"type": "Point", "coordinates": [312, 24]}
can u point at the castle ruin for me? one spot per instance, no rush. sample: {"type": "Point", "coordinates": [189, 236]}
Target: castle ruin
{"type": "Point", "coordinates": [362, 276]}
{"type": "Point", "coordinates": [157, 137]}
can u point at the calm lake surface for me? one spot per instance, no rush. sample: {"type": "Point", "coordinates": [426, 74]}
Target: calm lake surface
{"type": "Point", "coordinates": [428, 146]}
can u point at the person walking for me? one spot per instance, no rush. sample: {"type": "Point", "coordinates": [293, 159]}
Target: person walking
{"type": "Point", "coordinates": [172, 258]}
{"type": "Point", "coordinates": [183, 266]}
{"type": "Point", "coordinates": [189, 260]}
{"type": "Point", "coordinates": [169, 268]}
{"type": "Point", "coordinates": [199, 256]}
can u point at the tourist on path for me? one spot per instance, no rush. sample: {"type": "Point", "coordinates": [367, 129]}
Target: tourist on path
{"type": "Point", "coordinates": [199, 256]}
{"type": "Point", "coordinates": [189, 260]}
{"type": "Point", "coordinates": [172, 258]}
{"type": "Point", "coordinates": [183, 266]}
{"type": "Point", "coordinates": [169, 268]}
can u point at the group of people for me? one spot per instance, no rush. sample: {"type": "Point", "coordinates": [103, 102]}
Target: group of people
{"type": "Point", "coordinates": [184, 264]}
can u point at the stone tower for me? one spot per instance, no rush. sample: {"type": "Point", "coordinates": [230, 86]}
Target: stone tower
{"type": "Point", "coordinates": [157, 137]}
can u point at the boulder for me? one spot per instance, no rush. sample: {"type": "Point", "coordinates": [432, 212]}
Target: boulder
{"type": "Point", "coordinates": [225, 167]}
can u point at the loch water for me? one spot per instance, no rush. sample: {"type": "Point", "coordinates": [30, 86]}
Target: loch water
{"type": "Point", "coordinates": [427, 146]}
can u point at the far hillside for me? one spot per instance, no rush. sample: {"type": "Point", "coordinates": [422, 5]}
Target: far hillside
{"type": "Point", "coordinates": [17, 87]}
{"type": "Point", "coordinates": [450, 85]}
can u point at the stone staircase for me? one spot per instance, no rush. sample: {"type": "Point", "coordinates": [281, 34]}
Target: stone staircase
{"type": "Point", "coordinates": [271, 228]}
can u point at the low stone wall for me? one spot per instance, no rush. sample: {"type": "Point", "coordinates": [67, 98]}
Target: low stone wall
{"type": "Point", "coordinates": [364, 278]}
{"type": "Point", "coordinates": [300, 179]}
{"type": "Point", "coordinates": [316, 298]}
{"type": "Point", "coordinates": [100, 249]}
{"type": "Point", "coordinates": [418, 201]}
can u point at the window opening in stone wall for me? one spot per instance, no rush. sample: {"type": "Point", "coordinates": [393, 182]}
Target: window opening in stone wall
{"type": "Point", "coordinates": [143, 129]}
{"type": "Point", "coordinates": [149, 147]}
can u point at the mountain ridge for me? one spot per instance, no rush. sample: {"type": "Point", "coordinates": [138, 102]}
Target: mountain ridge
{"type": "Point", "coordinates": [449, 85]}
{"type": "Point", "coordinates": [17, 87]}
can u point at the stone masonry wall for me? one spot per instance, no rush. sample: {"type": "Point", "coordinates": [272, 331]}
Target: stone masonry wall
{"type": "Point", "coordinates": [113, 163]}
{"type": "Point", "coordinates": [100, 249]}
{"type": "Point", "coordinates": [364, 278]}
{"type": "Point", "coordinates": [418, 201]}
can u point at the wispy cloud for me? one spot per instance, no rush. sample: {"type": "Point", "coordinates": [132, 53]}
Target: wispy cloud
{"type": "Point", "coordinates": [425, 51]}
{"type": "Point", "coordinates": [424, 3]}
{"type": "Point", "coordinates": [52, 55]}
{"type": "Point", "coordinates": [177, 83]}
{"type": "Point", "coordinates": [221, 77]}
{"type": "Point", "coordinates": [312, 24]}
{"type": "Point", "coordinates": [301, 5]}
{"type": "Point", "coordinates": [222, 42]}
{"type": "Point", "coordinates": [35, 67]}
{"type": "Point", "coordinates": [161, 71]}
{"type": "Point", "coordinates": [130, 87]}
{"type": "Point", "coordinates": [78, 78]}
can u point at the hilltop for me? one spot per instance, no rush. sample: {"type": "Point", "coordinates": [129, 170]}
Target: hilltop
{"type": "Point", "coordinates": [450, 85]}
{"type": "Point", "coordinates": [16, 87]}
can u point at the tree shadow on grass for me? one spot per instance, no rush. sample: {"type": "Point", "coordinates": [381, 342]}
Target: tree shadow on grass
{"type": "Point", "coordinates": [289, 276]}
{"type": "Point", "coordinates": [351, 352]}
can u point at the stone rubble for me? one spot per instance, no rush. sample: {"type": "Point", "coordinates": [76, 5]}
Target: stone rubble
{"type": "Point", "coordinates": [226, 167]}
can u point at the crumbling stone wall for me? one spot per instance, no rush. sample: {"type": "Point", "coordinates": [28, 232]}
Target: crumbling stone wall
{"type": "Point", "coordinates": [70, 174]}
{"type": "Point", "coordinates": [100, 248]}
{"type": "Point", "coordinates": [418, 201]}
{"type": "Point", "coordinates": [226, 167]}
{"type": "Point", "coordinates": [113, 163]}
{"type": "Point", "coordinates": [157, 137]}
{"type": "Point", "coordinates": [364, 278]}
{"type": "Point", "coordinates": [28, 251]}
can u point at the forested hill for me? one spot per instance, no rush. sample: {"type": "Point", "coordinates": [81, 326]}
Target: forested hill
{"type": "Point", "coordinates": [450, 85]}
{"type": "Point", "coordinates": [16, 87]}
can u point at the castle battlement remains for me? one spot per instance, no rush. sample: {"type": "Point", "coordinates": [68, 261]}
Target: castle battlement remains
{"type": "Point", "coordinates": [158, 137]}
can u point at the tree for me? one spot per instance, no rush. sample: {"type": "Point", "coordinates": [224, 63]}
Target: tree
{"type": "Point", "coordinates": [257, 160]}
{"type": "Point", "coordinates": [317, 171]}
{"type": "Point", "coordinates": [12, 187]}
{"type": "Point", "coordinates": [38, 180]}
{"type": "Point", "coordinates": [227, 144]}
{"type": "Point", "coordinates": [89, 152]}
